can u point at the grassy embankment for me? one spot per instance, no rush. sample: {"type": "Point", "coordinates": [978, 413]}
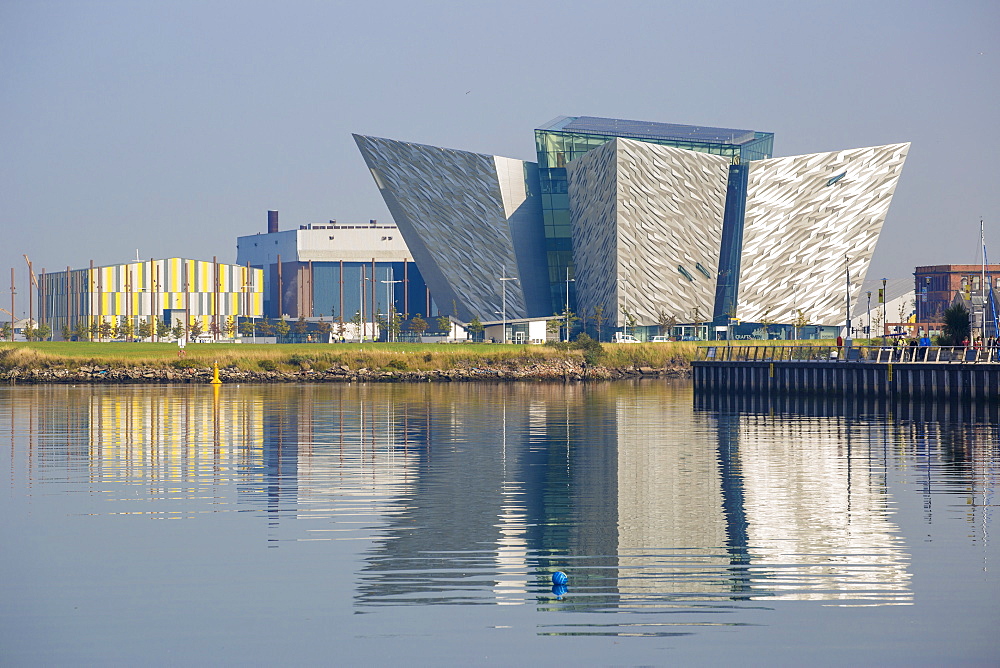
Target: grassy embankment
{"type": "Point", "coordinates": [294, 357]}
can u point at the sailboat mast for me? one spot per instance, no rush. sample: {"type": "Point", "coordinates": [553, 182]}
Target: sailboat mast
{"type": "Point", "coordinates": [982, 283]}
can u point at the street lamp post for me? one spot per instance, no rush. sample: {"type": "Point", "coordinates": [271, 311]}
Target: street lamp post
{"type": "Point", "coordinates": [885, 324]}
{"type": "Point", "coordinates": [568, 281]}
{"type": "Point", "coordinates": [869, 294]}
{"type": "Point", "coordinates": [503, 284]}
{"type": "Point", "coordinates": [364, 323]}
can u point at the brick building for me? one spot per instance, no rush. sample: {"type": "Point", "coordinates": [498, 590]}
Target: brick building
{"type": "Point", "coordinates": [937, 287]}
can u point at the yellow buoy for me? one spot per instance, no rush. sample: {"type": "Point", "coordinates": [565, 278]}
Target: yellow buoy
{"type": "Point", "coordinates": [215, 374]}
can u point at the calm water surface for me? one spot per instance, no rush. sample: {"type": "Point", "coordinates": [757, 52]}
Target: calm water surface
{"type": "Point", "coordinates": [421, 524]}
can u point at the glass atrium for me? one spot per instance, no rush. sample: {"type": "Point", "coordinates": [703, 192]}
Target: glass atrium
{"type": "Point", "coordinates": [569, 137]}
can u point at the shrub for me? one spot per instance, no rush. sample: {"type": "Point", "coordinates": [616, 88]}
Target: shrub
{"type": "Point", "coordinates": [593, 351]}
{"type": "Point", "coordinates": [300, 361]}
{"type": "Point", "coordinates": [399, 365]}
{"type": "Point", "coordinates": [188, 364]}
{"type": "Point", "coordinates": [268, 365]}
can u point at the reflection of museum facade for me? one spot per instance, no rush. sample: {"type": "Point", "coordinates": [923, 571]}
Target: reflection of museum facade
{"type": "Point", "coordinates": [488, 489]}
{"type": "Point", "coordinates": [640, 221]}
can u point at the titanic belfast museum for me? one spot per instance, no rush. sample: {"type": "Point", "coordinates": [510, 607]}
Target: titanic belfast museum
{"type": "Point", "coordinates": [641, 222]}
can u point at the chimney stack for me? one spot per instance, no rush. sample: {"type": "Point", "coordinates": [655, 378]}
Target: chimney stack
{"type": "Point", "coordinates": [272, 222]}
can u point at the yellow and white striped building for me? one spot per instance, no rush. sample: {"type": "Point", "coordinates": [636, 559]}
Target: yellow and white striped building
{"type": "Point", "coordinates": [174, 290]}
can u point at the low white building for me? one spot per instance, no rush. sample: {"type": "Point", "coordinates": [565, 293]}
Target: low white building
{"type": "Point", "coordinates": [519, 330]}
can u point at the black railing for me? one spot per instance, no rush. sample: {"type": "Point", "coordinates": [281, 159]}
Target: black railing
{"type": "Point", "coordinates": [884, 354]}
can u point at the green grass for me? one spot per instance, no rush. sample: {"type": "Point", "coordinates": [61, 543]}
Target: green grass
{"type": "Point", "coordinates": [392, 356]}
{"type": "Point", "coordinates": [319, 356]}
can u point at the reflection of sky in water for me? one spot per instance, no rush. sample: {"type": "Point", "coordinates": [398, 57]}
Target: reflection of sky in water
{"type": "Point", "coordinates": [459, 495]}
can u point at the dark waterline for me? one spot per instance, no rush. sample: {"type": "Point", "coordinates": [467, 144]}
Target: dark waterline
{"type": "Point", "coordinates": [421, 524]}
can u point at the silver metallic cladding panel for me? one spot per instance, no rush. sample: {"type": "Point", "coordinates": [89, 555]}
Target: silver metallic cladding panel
{"type": "Point", "coordinates": [802, 222]}
{"type": "Point", "coordinates": [638, 211]}
{"type": "Point", "coordinates": [453, 213]}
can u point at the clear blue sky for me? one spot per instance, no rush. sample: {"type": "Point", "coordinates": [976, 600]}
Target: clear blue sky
{"type": "Point", "coordinates": [172, 127]}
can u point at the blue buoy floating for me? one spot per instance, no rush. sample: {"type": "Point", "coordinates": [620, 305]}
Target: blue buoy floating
{"type": "Point", "coordinates": [559, 578]}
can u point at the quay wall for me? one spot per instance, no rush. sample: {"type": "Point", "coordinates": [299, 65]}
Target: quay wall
{"type": "Point", "coordinates": [926, 380]}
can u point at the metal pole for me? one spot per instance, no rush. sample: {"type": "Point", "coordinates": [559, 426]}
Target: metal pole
{"type": "Point", "coordinates": [869, 293]}
{"type": "Point", "coordinates": [13, 318]}
{"type": "Point", "coordinates": [389, 302]}
{"type": "Point", "coordinates": [100, 299]}
{"type": "Point", "coordinates": [982, 284]}
{"type": "Point", "coordinates": [503, 284]}
{"type": "Point", "coordinates": [885, 325]}
{"type": "Point", "coordinates": [568, 279]}
{"type": "Point", "coordinates": [31, 301]}
{"type": "Point", "coordinates": [847, 328]}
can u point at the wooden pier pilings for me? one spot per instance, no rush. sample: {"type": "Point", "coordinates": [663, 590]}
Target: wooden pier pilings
{"type": "Point", "coordinates": [855, 378]}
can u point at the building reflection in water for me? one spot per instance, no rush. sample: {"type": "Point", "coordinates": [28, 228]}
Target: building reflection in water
{"type": "Point", "coordinates": [476, 493]}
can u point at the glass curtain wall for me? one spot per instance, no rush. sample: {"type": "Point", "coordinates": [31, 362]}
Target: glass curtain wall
{"type": "Point", "coordinates": [556, 147]}
{"type": "Point", "coordinates": [345, 289]}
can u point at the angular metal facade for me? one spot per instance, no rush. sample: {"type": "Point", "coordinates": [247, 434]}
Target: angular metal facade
{"type": "Point", "coordinates": [468, 219]}
{"type": "Point", "coordinates": [663, 232]}
{"type": "Point", "coordinates": [647, 227]}
{"type": "Point", "coordinates": [808, 219]}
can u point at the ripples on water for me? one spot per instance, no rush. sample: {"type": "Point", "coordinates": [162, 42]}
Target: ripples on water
{"type": "Point", "coordinates": [671, 511]}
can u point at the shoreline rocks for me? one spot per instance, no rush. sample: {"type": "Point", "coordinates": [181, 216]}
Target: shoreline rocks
{"type": "Point", "coordinates": [564, 372]}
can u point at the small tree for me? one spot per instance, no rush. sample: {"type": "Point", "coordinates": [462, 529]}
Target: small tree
{"type": "Point", "coordinates": [323, 328]}
{"type": "Point", "coordinates": [126, 329]}
{"type": "Point", "coordinates": [443, 324]}
{"type": "Point", "coordinates": [214, 329]}
{"type": "Point", "coordinates": [281, 328]}
{"type": "Point", "coordinates": [301, 326]}
{"type": "Point", "coordinates": [177, 331]}
{"type": "Point", "coordinates": [568, 319]}
{"type": "Point", "coordinates": [598, 319]}
{"type": "Point", "coordinates": [630, 319]}
{"type": "Point", "coordinates": [145, 329]}
{"type": "Point", "coordinates": [665, 322]}
{"type": "Point", "coordinates": [28, 332]}
{"type": "Point", "coordinates": [801, 320]}
{"type": "Point", "coordinates": [395, 323]}
{"type": "Point", "coordinates": [477, 328]}
{"type": "Point", "coordinates": [876, 324]}
{"type": "Point", "coordinates": [92, 331]}
{"type": "Point", "coordinates": [229, 328]}
{"type": "Point", "coordinates": [553, 326]}
{"type": "Point", "coordinates": [246, 328]}
{"type": "Point", "coordinates": [162, 328]}
{"type": "Point", "coordinates": [957, 324]}
{"type": "Point", "coordinates": [341, 328]}
{"type": "Point", "coordinates": [266, 327]}
{"type": "Point", "coordinates": [358, 321]}
{"type": "Point", "coordinates": [6, 329]}
{"type": "Point", "coordinates": [766, 321]}
{"type": "Point", "coordinates": [104, 329]}
{"type": "Point", "coordinates": [417, 325]}
{"type": "Point", "coordinates": [43, 331]}
{"type": "Point", "coordinates": [66, 332]}
{"type": "Point", "coordinates": [194, 328]}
